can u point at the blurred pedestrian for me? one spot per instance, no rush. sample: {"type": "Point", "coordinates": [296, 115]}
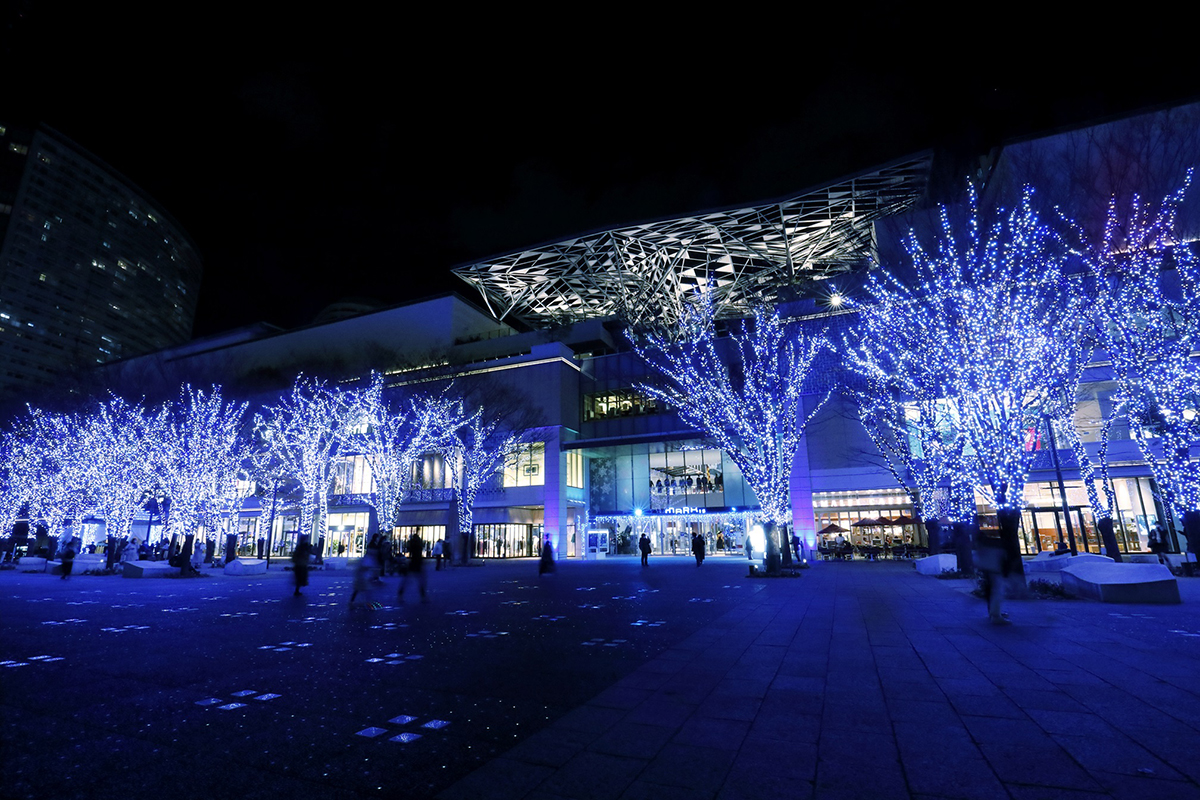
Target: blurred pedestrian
{"type": "Point", "coordinates": [546, 562]}
{"type": "Point", "coordinates": [644, 546]}
{"type": "Point", "coordinates": [438, 548]}
{"type": "Point", "coordinates": [698, 548]}
{"type": "Point", "coordinates": [67, 558]}
{"type": "Point", "coordinates": [416, 567]}
{"type": "Point", "coordinates": [992, 560]}
{"type": "Point", "coordinates": [300, 558]}
{"type": "Point", "coordinates": [130, 551]}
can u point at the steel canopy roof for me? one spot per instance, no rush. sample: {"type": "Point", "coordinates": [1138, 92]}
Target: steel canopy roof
{"type": "Point", "coordinates": [646, 273]}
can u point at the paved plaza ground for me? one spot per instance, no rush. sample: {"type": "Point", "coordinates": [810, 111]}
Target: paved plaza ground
{"type": "Point", "coordinates": [605, 680]}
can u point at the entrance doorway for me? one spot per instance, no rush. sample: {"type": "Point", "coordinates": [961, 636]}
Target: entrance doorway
{"type": "Point", "coordinates": [1044, 527]}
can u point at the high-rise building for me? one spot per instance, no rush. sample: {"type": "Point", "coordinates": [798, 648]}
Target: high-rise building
{"type": "Point", "coordinates": [91, 268]}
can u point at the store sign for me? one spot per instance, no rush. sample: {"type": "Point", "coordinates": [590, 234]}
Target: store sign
{"type": "Point", "coordinates": [690, 510]}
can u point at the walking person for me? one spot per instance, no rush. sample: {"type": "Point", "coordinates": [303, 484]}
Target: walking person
{"type": "Point", "coordinates": [130, 552]}
{"type": "Point", "coordinates": [644, 546]}
{"type": "Point", "coordinates": [438, 547]}
{"type": "Point", "coordinates": [992, 560]}
{"type": "Point", "coordinates": [698, 548]}
{"type": "Point", "coordinates": [416, 566]}
{"type": "Point", "coordinates": [67, 558]}
{"type": "Point", "coordinates": [1158, 541]}
{"type": "Point", "coordinates": [300, 557]}
{"type": "Point", "coordinates": [546, 562]}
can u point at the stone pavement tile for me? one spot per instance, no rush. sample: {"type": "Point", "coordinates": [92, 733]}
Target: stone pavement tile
{"type": "Point", "coordinates": [1082, 723]}
{"type": "Point", "coordinates": [695, 686]}
{"type": "Point", "coordinates": [1117, 706]}
{"type": "Point", "coordinates": [552, 747]}
{"type": "Point", "coordinates": [1115, 753]}
{"type": "Point", "coordinates": [789, 760]}
{"type": "Point", "coordinates": [917, 740]}
{"type": "Point", "coordinates": [1177, 749]}
{"type": "Point", "coordinates": [1140, 787]}
{"type": "Point", "coordinates": [712, 732]}
{"type": "Point", "coordinates": [499, 779]}
{"type": "Point", "coordinates": [1071, 677]}
{"type": "Point", "coordinates": [620, 697]}
{"type": "Point", "coordinates": [781, 723]}
{"type": "Point", "coordinates": [640, 790]}
{"type": "Point", "coordinates": [590, 719]}
{"type": "Point", "coordinates": [866, 719]}
{"type": "Point", "coordinates": [593, 776]}
{"type": "Point", "coordinates": [740, 685]}
{"type": "Point", "coordinates": [764, 787]}
{"type": "Point", "coordinates": [1026, 792]}
{"type": "Point", "coordinates": [842, 745]}
{"type": "Point", "coordinates": [933, 713]}
{"type": "Point", "coordinates": [969, 779]}
{"type": "Point", "coordinates": [797, 702]}
{"type": "Point", "coordinates": [662, 711]}
{"type": "Point", "coordinates": [798, 683]}
{"type": "Point", "coordinates": [632, 740]}
{"type": "Point", "coordinates": [859, 776]}
{"type": "Point", "coordinates": [896, 688]}
{"type": "Point", "coordinates": [720, 706]}
{"type": "Point", "coordinates": [759, 656]}
{"type": "Point", "coordinates": [977, 685]}
{"type": "Point", "coordinates": [808, 665]}
{"type": "Point", "coordinates": [1016, 763]}
{"type": "Point", "coordinates": [1004, 729]}
{"type": "Point", "coordinates": [986, 706]}
{"type": "Point", "coordinates": [1048, 700]}
{"type": "Point", "coordinates": [690, 767]}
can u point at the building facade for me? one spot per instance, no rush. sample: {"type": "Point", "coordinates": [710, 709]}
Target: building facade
{"type": "Point", "coordinates": [91, 268]}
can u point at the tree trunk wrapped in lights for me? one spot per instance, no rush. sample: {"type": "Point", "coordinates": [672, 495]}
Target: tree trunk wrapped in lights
{"type": "Point", "coordinates": [750, 402]}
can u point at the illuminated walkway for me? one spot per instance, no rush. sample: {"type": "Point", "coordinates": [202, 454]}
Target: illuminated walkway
{"type": "Point", "coordinates": [858, 680]}
{"type": "Point", "coordinates": [865, 680]}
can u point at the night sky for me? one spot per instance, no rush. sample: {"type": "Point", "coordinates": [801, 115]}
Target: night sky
{"type": "Point", "coordinates": [319, 158]}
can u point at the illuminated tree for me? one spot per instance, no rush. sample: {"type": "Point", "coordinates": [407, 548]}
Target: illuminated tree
{"type": "Point", "coordinates": [55, 483]}
{"type": "Point", "coordinates": [476, 449]}
{"type": "Point", "coordinates": [199, 446]}
{"type": "Point", "coordinates": [117, 453]}
{"type": "Point", "coordinates": [392, 435]}
{"type": "Point", "coordinates": [304, 432]}
{"type": "Point", "coordinates": [1148, 282]}
{"type": "Point", "coordinates": [747, 393]}
{"type": "Point", "coordinates": [982, 323]}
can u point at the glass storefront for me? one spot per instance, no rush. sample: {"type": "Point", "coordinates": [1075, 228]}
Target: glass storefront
{"type": "Point", "coordinates": [508, 540]}
{"type": "Point", "coordinates": [659, 476]}
{"type": "Point", "coordinates": [849, 510]}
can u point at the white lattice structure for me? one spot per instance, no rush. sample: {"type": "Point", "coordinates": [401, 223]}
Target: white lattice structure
{"type": "Point", "coordinates": [645, 273]}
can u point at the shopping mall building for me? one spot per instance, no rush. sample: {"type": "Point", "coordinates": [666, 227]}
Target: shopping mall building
{"type": "Point", "coordinates": [546, 335]}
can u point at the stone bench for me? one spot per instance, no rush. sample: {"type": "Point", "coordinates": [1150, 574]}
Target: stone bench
{"type": "Point", "coordinates": [147, 569]}
{"type": "Point", "coordinates": [1121, 583]}
{"type": "Point", "coordinates": [246, 566]}
{"type": "Point", "coordinates": [31, 563]}
{"type": "Point", "coordinates": [1047, 562]}
{"type": "Point", "coordinates": [937, 564]}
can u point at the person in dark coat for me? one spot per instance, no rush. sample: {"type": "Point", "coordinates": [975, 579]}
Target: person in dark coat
{"type": "Point", "coordinates": [644, 546]}
{"type": "Point", "coordinates": [68, 558]}
{"type": "Point", "coordinates": [546, 562]}
{"type": "Point", "coordinates": [300, 557]}
{"type": "Point", "coordinates": [416, 567]}
{"type": "Point", "coordinates": [698, 548]}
